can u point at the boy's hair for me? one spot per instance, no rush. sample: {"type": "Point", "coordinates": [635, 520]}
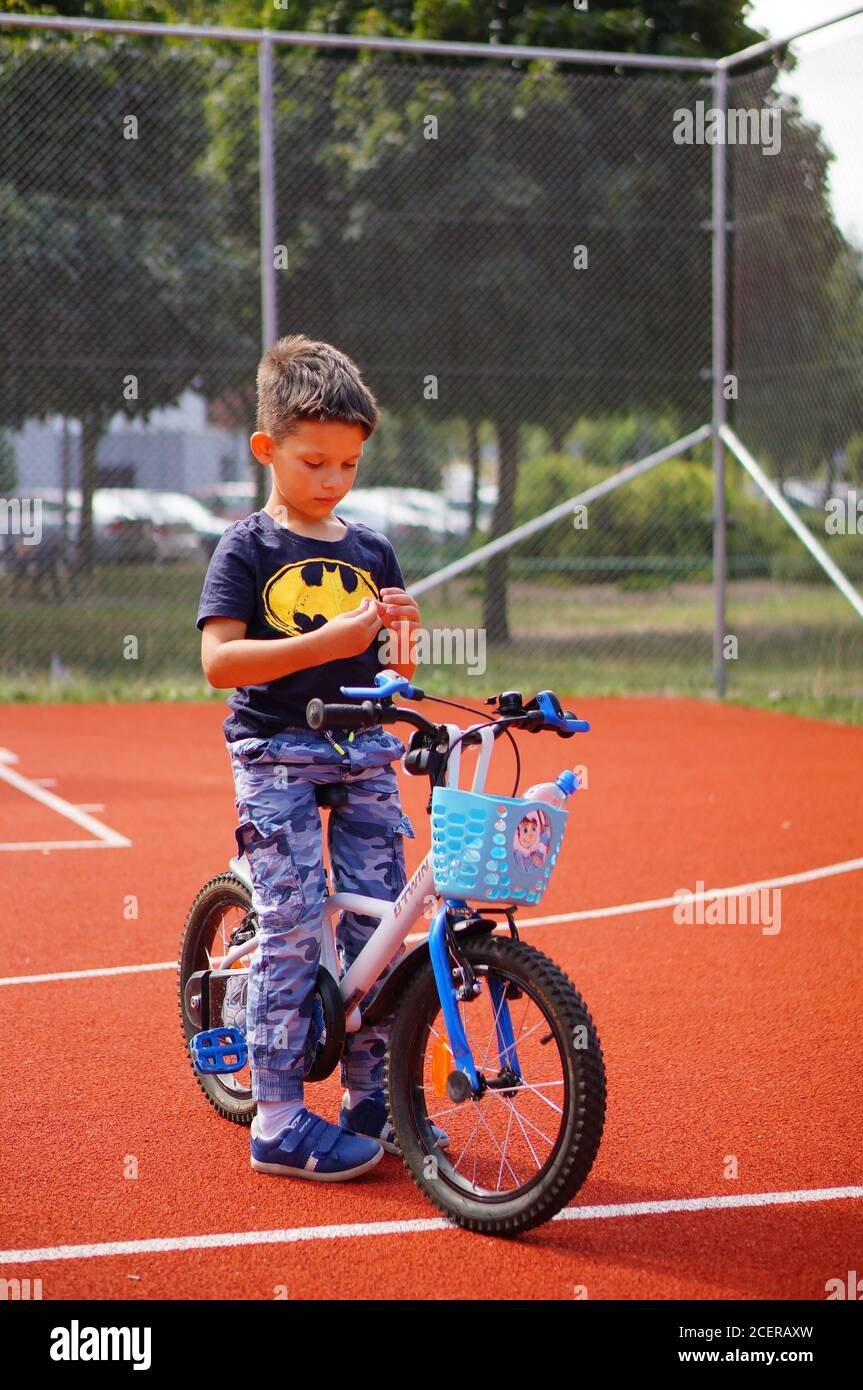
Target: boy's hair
{"type": "Point", "coordinates": [300, 379]}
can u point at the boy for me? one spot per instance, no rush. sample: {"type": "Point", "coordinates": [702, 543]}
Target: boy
{"type": "Point", "coordinates": [292, 605]}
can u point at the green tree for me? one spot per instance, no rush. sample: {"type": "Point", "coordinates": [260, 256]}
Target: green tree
{"type": "Point", "coordinates": [456, 263]}
{"type": "Point", "coordinates": [8, 468]}
{"type": "Point", "coordinates": [121, 285]}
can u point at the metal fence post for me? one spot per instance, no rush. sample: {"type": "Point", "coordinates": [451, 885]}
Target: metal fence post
{"type": "Point", "coordinates": [720, 334]}
{"type": "Point", "coordinates": [269, 331]}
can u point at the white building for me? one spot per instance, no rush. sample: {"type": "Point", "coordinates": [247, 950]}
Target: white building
{"type": "Point", "coordinates": [176, 450]}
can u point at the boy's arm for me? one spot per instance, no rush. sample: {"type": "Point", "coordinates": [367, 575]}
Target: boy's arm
{"type": "Point", "coordinates": [230, 659]}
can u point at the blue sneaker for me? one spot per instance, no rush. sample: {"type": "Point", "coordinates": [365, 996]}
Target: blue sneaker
{"type": "Point", "coordinates": [312, 1148]}
{"type": "Point", "coordinates": [370, 1118]}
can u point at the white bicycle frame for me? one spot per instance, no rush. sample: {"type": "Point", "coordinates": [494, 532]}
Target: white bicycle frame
{"type": "Point", "coordinates": [395, 919]}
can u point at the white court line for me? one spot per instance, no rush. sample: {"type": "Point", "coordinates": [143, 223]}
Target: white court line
{"type": "Point", "coordinates": [118, 843]}
{"type": "Point", "coordinates": [105, 837]}
{"type": "Point", "coordinates": [614, 1211]}
{"type": "Point", "coordinates": [847, 866]}
{"type": "Point", "coordinates": [89, 974]}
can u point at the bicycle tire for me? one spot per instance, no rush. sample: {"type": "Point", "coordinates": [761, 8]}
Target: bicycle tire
{"type": "Point", "coordinates": [228, 890]}
{"type": "Point", "coordinates": [581, 1132]}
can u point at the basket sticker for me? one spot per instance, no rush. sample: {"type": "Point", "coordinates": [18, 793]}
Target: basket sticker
{"type": "Point", "coordinates": [530, 844]}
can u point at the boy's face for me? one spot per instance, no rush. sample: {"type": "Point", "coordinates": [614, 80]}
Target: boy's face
{"type": "Point", "coordinates": [314, 468]}
{"type": "Point", "coordinates": [528, 833]}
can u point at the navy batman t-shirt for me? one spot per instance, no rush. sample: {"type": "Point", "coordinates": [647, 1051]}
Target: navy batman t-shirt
{"type": "Point", "coordinates": [281, 584]}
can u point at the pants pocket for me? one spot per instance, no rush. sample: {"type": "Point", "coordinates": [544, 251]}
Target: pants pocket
{"type": "Point", "coordinates": [275, 879]}
{"type": "Point", "coordinates": [250, 750]}
{"type": "Point", "coordinates": [397, 874]}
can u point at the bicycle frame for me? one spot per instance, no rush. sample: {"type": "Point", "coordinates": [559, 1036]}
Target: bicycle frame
{"type": "Point", "coordinates": [395, 920]}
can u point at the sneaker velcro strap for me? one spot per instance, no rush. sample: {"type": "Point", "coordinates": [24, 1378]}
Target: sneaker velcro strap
{"type": "Point", "coordinates": [328, 1140]}
{"type": "Point", "coordinates": [294, 1138]}
{"type": "Point", "coordinates": [316, 1136]}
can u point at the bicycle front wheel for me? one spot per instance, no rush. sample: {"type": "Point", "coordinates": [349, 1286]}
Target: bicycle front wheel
{"type": "Point", "coordinates": [520, 1149]}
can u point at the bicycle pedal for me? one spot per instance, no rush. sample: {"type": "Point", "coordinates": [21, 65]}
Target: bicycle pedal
{"type": "Point", "coordinates": [218, 1050]}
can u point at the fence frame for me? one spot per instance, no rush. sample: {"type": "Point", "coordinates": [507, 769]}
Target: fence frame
{"type": "Point", "coordinates": [718, 70]}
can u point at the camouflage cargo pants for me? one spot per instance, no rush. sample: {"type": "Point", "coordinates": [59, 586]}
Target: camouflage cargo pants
{"type": "Point", "coordinates": [281, 834]}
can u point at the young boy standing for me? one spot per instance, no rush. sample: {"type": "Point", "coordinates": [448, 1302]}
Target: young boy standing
{"type": "Point", "coordinates": [292, 605]}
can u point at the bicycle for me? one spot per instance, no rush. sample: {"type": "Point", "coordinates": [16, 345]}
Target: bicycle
{"type": "Point", "coordinates": [480, 1019]}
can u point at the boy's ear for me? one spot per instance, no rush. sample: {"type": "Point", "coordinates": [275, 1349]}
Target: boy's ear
{"type": "Point", "coordinates": [261, 445]}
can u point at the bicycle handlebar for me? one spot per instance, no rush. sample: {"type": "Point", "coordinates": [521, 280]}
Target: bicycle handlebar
{"type": "Point", "coordinates": [321, 716]}
{"type": "Point", "coordinates": [376, 708]}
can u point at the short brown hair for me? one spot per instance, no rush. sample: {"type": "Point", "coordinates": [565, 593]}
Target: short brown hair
{"type": "Point", "coordinates": [300, 379]}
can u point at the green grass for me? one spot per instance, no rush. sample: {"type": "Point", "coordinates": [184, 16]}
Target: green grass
{"type": "Point", "coordinates": [800, 645]}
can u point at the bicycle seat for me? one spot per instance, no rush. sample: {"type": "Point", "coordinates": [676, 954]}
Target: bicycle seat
{"type": "Point", "coordinates": [331, 794]}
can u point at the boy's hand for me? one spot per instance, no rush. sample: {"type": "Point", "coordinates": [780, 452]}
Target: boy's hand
{"type": "Point", "coordinates": [349, 634]}
{"type": "Point", "coordinates": [400, 615]}
{"type": "Point", "coordinates": [397, 607]}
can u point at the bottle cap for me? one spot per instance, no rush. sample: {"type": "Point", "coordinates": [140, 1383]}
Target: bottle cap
{"type": "Point", "coordinates": [568, 782]}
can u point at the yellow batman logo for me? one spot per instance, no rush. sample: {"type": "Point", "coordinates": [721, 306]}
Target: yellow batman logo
{"type": "Point", "coordinates": [305, 595]}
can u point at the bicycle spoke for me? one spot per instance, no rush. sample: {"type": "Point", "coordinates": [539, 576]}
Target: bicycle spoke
{"type": "Point", "coordinates": [505, 1142]}
{"type": "Point", "coordinates": [520, 1123]}
{"type": "Point", "coordinates": [522, 1037]}
{"type": "Point", "coordinates": [440, 1114]}
{"type": "Point", "coordinates": [526, 1086]}
{"type": "Point", "coordinates": [494, 1025]}
{"type": "Point", "coordinates": [492, 1152]}
{"type": "Point", "coordinates": [494, 1141]}
{"type": "Point", "coordinates": [518, 1033]}
{"type": "Point", "coordinates": [467, 1146]}
{"type": "Point", "coordinates": [522, 1120]}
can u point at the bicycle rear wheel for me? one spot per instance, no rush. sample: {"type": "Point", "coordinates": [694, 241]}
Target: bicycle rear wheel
{"type": "Point", "coordinates": [522, 1148]}
{"type": "Point", "coordinates": [222, 909]}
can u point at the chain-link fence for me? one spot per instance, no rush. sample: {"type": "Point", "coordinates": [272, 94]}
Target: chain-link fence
{"type": "Point", "coordinates": [797, 351]}
{"type": "Point", "coordinates": [519, 258]}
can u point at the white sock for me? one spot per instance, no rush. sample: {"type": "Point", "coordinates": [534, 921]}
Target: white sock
{"type": "Point", "coordinates": [275, 1115]}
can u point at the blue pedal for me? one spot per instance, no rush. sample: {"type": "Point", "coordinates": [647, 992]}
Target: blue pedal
{"type": "Point", "coordinates": [218, 1050]}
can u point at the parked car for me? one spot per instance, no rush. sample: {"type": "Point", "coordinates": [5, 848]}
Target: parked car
{"type": "Point", "coordinates": [178, 512]}
{"type": "Point", "coordinates": [228, 501]}
{"type": "Point", "coordinates": [40, 563]}
{"type": "Point", "coordinates": [121, 533]}
{"type": "Point", "coordinates": [392, 510]}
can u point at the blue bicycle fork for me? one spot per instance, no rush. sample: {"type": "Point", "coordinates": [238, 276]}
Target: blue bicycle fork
{"type": "Point", "coordinates": [441, 964]}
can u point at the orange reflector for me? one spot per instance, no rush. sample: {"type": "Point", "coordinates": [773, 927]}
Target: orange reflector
{"type": "Point", "coordinates": [443, 1063]}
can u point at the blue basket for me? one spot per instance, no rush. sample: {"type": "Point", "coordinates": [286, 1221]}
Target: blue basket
{"type": "Point", "coordinates": [493, 848]}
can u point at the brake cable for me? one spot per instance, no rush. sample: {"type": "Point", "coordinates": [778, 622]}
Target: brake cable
{"type": "Point", "coordinates": [456, 704]}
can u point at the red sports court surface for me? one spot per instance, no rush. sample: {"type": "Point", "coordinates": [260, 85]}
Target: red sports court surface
{"type": "Point", "coordinates": [720, 1041]}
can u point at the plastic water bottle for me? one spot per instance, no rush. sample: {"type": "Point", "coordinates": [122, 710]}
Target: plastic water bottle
{"type": "Point", "coordinates": [554, 792]}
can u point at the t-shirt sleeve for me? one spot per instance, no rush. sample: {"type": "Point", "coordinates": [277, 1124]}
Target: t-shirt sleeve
{"type": "Point", "coordinates": [391, 573]}
{"type": "Point", "coordinates": [229, 587]}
